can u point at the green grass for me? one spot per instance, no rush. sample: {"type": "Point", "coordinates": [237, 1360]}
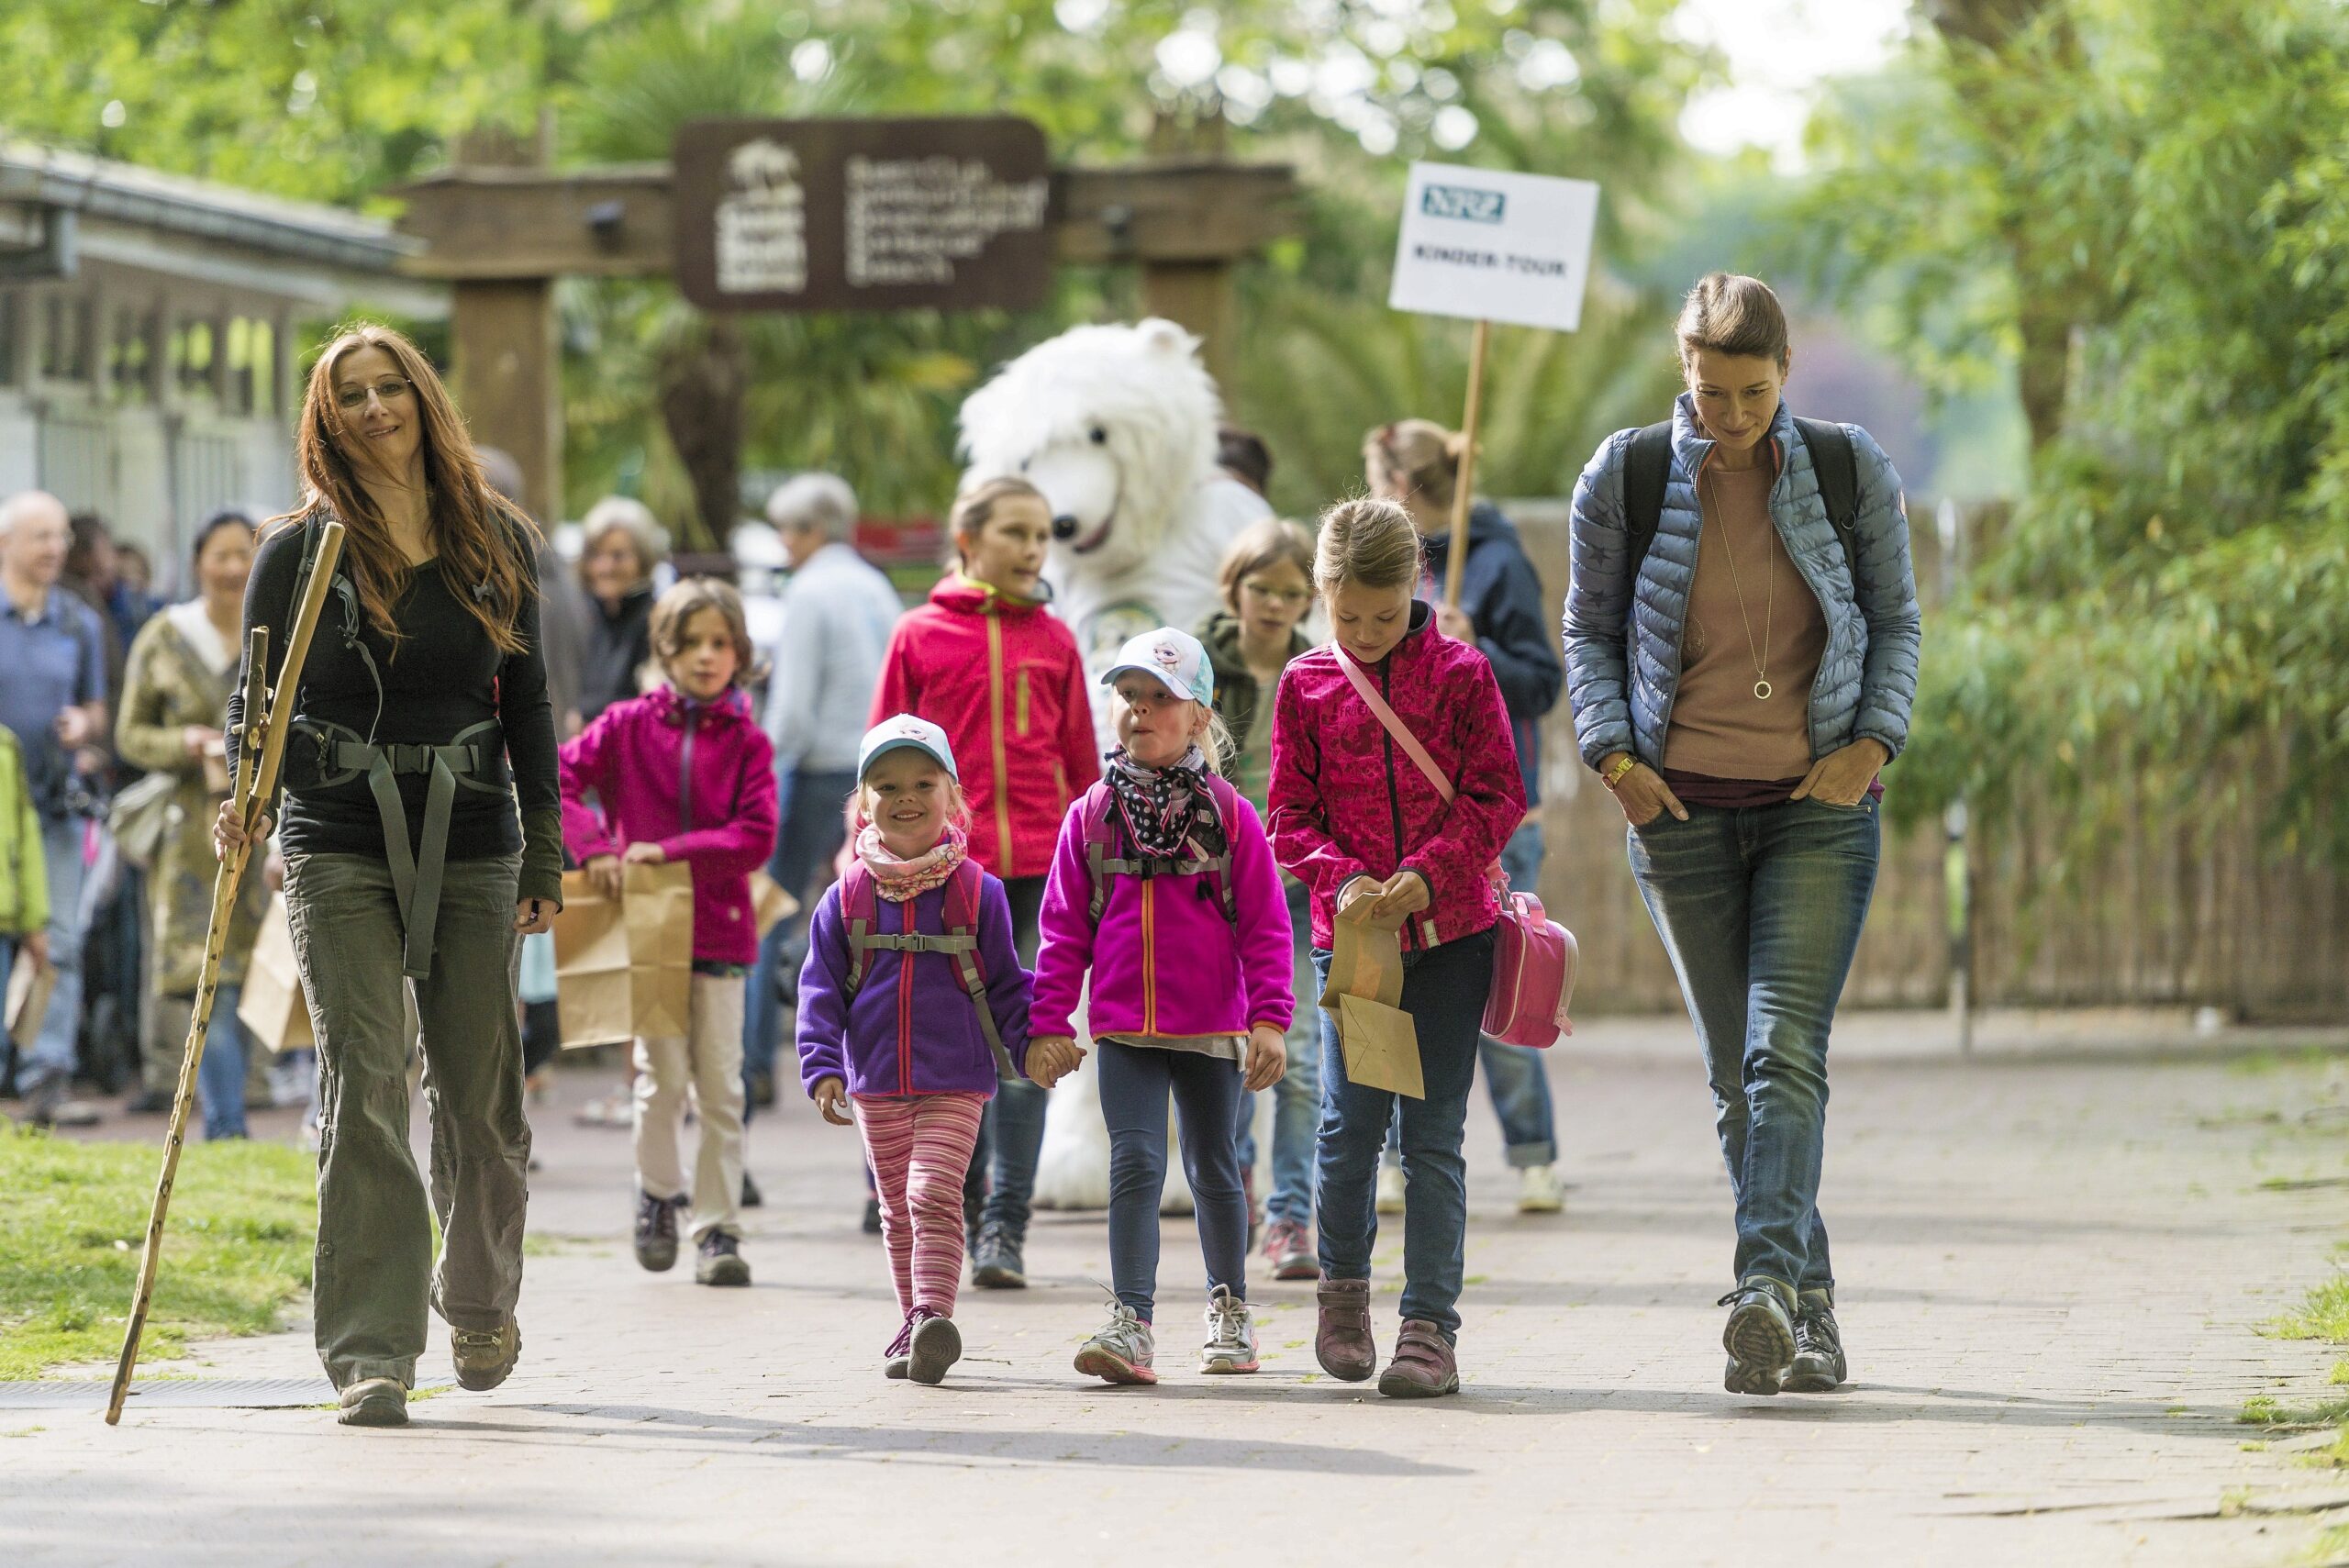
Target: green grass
{"type": "Point", "coordinates": [2324, 1314]}
{"type": "Point", "coordinates": [72, 1220]}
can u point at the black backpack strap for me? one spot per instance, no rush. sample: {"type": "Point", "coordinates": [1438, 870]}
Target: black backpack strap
{"type": "Point", "coordinates": [1647, 467]}
{"type": "Point", "coordinates": [1839, 483]}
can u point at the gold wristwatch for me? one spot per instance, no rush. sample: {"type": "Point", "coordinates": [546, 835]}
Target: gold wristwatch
{"type": "Point", "coordinates": [1614, 775]}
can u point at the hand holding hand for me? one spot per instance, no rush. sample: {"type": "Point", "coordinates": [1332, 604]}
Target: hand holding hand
{"type": "Point", "coordinates": [1052, 1058]}
{"type": "Point", "coordinates": [532, 916]}
{"type": "Point", "coordinates": [831, 1098]}
{"type": "Point", "coordinates": [1840, 778]}
{"type": "Point", "coordinates": [1267, 1058]}
{"type": "Point", "coordinates": [604, 875]}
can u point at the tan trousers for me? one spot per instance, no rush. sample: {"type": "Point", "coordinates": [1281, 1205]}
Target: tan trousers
{"type": "Point", "coordinates": [708, 1062]}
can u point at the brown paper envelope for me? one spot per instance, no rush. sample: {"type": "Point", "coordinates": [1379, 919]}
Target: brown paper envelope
{"type": "Point", "coordinates": [29, 988]}
{"type": "Point", "coordinates": [272, 1006]}
{"type": "Point", "coordinates": [1382, 1046]}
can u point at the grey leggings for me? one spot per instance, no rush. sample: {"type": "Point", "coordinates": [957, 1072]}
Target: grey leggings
{"type": "Point", "coordinates": [1134, 1084]}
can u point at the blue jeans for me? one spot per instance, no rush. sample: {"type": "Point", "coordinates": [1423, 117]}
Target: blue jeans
{"type": "Point", "coordinates": [1515, 1076]}
{"type": "Point", "coordinates": [220, 1076]}
{"type": "Point", "coordinates": [1443, 990]}
{"type": "Point", "coordinates": [1761, 908]}
{"type": "Point", "coordinates": [812, 830]}
{"type": "Point", "coordinates": [48, 1067]}
{"type": "Point", "coordinates": [1297, 1098]}
{"type": "Point", "coordinates": [1135, 1081]}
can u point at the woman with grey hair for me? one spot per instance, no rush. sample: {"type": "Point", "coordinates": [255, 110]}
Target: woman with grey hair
{"type": "Point", "coordinates": [620, 543]}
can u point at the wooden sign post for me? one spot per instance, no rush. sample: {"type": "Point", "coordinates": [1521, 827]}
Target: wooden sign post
{"type": "Point", "coordinates": [1491, 247]}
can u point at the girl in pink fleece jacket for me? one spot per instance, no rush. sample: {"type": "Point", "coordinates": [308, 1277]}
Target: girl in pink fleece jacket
{"type": "Point", "coordinates": [1360, 824]}
{"type": "Point", "coordinates": [686, 773]}
{"type": "Point", "coordinates": [1162, 885]}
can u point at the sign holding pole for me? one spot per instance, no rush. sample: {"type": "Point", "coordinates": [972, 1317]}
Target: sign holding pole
{"type": "Point", "coordinates": [1490, 246]}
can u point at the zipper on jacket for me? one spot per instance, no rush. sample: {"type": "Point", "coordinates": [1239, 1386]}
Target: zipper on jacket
{"type": "Point", "coordinates": [1394, 797]}
{"type": "Point", "coordinates": [995, 734]}
{"type": "Point", "coordinates": [906, 1005]}
{"type": "Point", "coordinates": [1023, 699]}
{"type": "Point", "coordinates": [685, 778]}
{"type": "Point", "coordinates": [1149, 957]}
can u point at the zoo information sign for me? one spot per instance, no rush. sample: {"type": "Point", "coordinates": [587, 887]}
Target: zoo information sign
{"type": "Point", "coordinates": [1493, 246]}
{"type": "Point", "coordinates": [944, 213]}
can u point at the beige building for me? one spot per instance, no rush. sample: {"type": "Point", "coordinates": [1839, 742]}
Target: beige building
{"type": "Point", "coordinates": [152, 334]}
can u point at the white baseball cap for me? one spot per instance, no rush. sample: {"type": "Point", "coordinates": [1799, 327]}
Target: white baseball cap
{"type": "Point", "coordinates": [1176, 659]}
{"type": "Point", "coordinates": [900, 731]}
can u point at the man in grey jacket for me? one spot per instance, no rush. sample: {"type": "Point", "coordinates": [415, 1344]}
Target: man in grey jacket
{"type": "Point", "coordinates": [838, 613]}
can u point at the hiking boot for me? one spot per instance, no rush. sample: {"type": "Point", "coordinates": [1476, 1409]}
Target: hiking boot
{"type": "Point", "coordinates": [1539, 1190]}
{"type": "Point", "coordinates": [1759, 1336]}
{"type": "Point", "coordinates": [1819, 1366]}
{"type": "Point", "coordinates": [872, 1217]}
{"type": "Point", "coordinates": [1343, 1343]}
{"type": "Point", "coordinates": [374, 1402]}
{"type": "Point", "coordinates": [656, 1232]}
{"type": "Point", "coordinates": [1121, 1350]}
{"type": "Point", "coordinates": [1232, 1335]}
{"type": "Point", "coordinates": [1423, 1367]}
{"type": "Point", "coordinates": [1289, 1249]}
{"type": "Point", "coordinates": [936, 1345]}
{"type": "Point", "coordinates": [718, 1260]}
{"type": "Point", "coordinates": [1391, 1188]}
{"type": "Point", "coordinates": [483, 1356]}
{"type": "Point", "coordinates": [752, 1196]}
{"type": "Point", "coordinates": [760, 1090]}
{"type": "Point", "coordinates": [995, 1262]}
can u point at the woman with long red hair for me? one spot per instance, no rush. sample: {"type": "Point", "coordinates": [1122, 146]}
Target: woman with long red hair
{"type": "Point", "coordinates": [422, 838]}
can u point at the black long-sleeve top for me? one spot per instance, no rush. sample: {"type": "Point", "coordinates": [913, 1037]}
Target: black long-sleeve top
{"type": "Point", "coordinates": [446, 676]}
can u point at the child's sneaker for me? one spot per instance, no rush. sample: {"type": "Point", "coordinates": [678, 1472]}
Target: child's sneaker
{"type": "Point", "coordinates": [1232, 1335]}
{"type": "Point", "coordinates": [936, 1345]}
{"type": "Point", "coordinates": [897, 1359]}
{"type": "Point", "coordinates": [1288, 1247]}
{"type": "Point", "coordinates": [1121, 1350]}
{"type": "Point", "coordinates": [720, 1261]}
{"type": "Point", "coordinates": [656, 1232]}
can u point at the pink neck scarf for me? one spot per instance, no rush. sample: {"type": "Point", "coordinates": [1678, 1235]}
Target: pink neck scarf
{"type": "Point", "coordinates": [899, 881]}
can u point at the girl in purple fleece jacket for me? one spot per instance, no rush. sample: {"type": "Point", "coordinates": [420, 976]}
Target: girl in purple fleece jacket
{"type": "Point", "coordinates": [1162, 886]}
{"type": "Point", "coordinates": [686, 773]}
{"type": "Point", "coordinates": [911, 1004]}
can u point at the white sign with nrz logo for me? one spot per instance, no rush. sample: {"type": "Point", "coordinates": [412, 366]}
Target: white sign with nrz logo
{"type": "Point", "coordinates": [1495, 247]}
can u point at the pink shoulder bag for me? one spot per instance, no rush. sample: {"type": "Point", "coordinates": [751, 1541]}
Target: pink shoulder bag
{"type": "Point", "coordinates": [1534, 958]}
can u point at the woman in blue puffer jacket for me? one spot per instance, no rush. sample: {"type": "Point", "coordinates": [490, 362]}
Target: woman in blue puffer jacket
{"type": "Point", "coordinates": [1742, 641]}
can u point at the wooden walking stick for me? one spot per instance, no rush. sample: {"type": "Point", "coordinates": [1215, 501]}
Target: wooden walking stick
{"type": "Point", "coordinates": [261, 749]}
{"type": "Point", "coordinates": [1456, 555]}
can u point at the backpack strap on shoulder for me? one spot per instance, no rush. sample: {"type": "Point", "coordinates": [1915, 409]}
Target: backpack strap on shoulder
{"type": "Point", "coordinates": [962, 930]}
{"type": "Point", "coordinates": [1838, 473]}
{"type": "Point", "coordinates": [1647, 470]}
{"type": "Point", "coordinates": [857, 912]}
{"type": "Point", "coordinates": [1227, 810]}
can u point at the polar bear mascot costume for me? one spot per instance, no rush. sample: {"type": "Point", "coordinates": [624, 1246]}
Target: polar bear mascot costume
{"type": "Point", "coordinates": [1115, 425]}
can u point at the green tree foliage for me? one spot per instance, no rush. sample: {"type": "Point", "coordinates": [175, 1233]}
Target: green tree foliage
{"type": "Point", "coordinates": [2166, 617]}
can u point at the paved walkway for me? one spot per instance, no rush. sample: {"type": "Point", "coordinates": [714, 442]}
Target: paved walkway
{"type": "Point", "coordinates": [2050, 1274]}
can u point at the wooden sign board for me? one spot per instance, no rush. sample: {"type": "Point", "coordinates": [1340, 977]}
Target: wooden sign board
{"type": "Point", "coordinates": [944, 213]}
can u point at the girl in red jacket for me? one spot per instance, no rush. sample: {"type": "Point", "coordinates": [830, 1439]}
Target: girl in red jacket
{"type": "Point", "coordinates": [684, 772]}
{"type": "Point", "coordinates": [1356, 820]}
{"type": "Point", "coordinates": [987, 663]}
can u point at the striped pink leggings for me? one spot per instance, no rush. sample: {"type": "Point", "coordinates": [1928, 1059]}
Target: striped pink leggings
{"type": "Point", "coordinates": [919, 1147]}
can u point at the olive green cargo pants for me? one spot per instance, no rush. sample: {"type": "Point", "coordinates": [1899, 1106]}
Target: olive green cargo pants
{"type": "Point", "coordinates": [374, 1275]}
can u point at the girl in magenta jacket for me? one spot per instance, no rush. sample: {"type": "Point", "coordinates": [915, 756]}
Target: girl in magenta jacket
{"type": "Point", "coordinates": [1162, 886]}
{"type": "Point", "coordinates": [1358, 822]}
{"type": "Point", "coordinates": [686, 773]}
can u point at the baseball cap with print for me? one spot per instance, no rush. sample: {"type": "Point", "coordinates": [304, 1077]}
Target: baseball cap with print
{"type": "Point", "coordinates": [1177, 660]}
{"type": "Point", "coordinates": [899, 731]}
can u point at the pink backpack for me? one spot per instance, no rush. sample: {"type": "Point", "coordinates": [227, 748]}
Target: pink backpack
{"type": "Point", "coordinates": [1534, 958]}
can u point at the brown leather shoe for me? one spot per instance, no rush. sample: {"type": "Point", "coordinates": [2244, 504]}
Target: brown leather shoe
{"type": "Point", "coordinates": [1342, 1341]}
{"type": "Point", "coordinates": [1423, 1366]}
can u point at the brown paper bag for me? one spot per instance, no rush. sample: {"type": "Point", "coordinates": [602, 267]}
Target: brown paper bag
{"type": "Point", "coordinates": [624, 969]}
{"type": "Point", "coordinates": [28, 987]}
{"type": "Point", "coordinates": [1382, 1046]}
{"type": "Point", "coordinates": [273, 1007]}
{"type": "Point", "coordinates": [769, 904]}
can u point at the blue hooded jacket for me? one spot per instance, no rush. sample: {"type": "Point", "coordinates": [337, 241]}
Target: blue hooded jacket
{"type": "Point", "coordinates": [1502, 592]}
{"type": "Point", "coordinates": [1623, 638]}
